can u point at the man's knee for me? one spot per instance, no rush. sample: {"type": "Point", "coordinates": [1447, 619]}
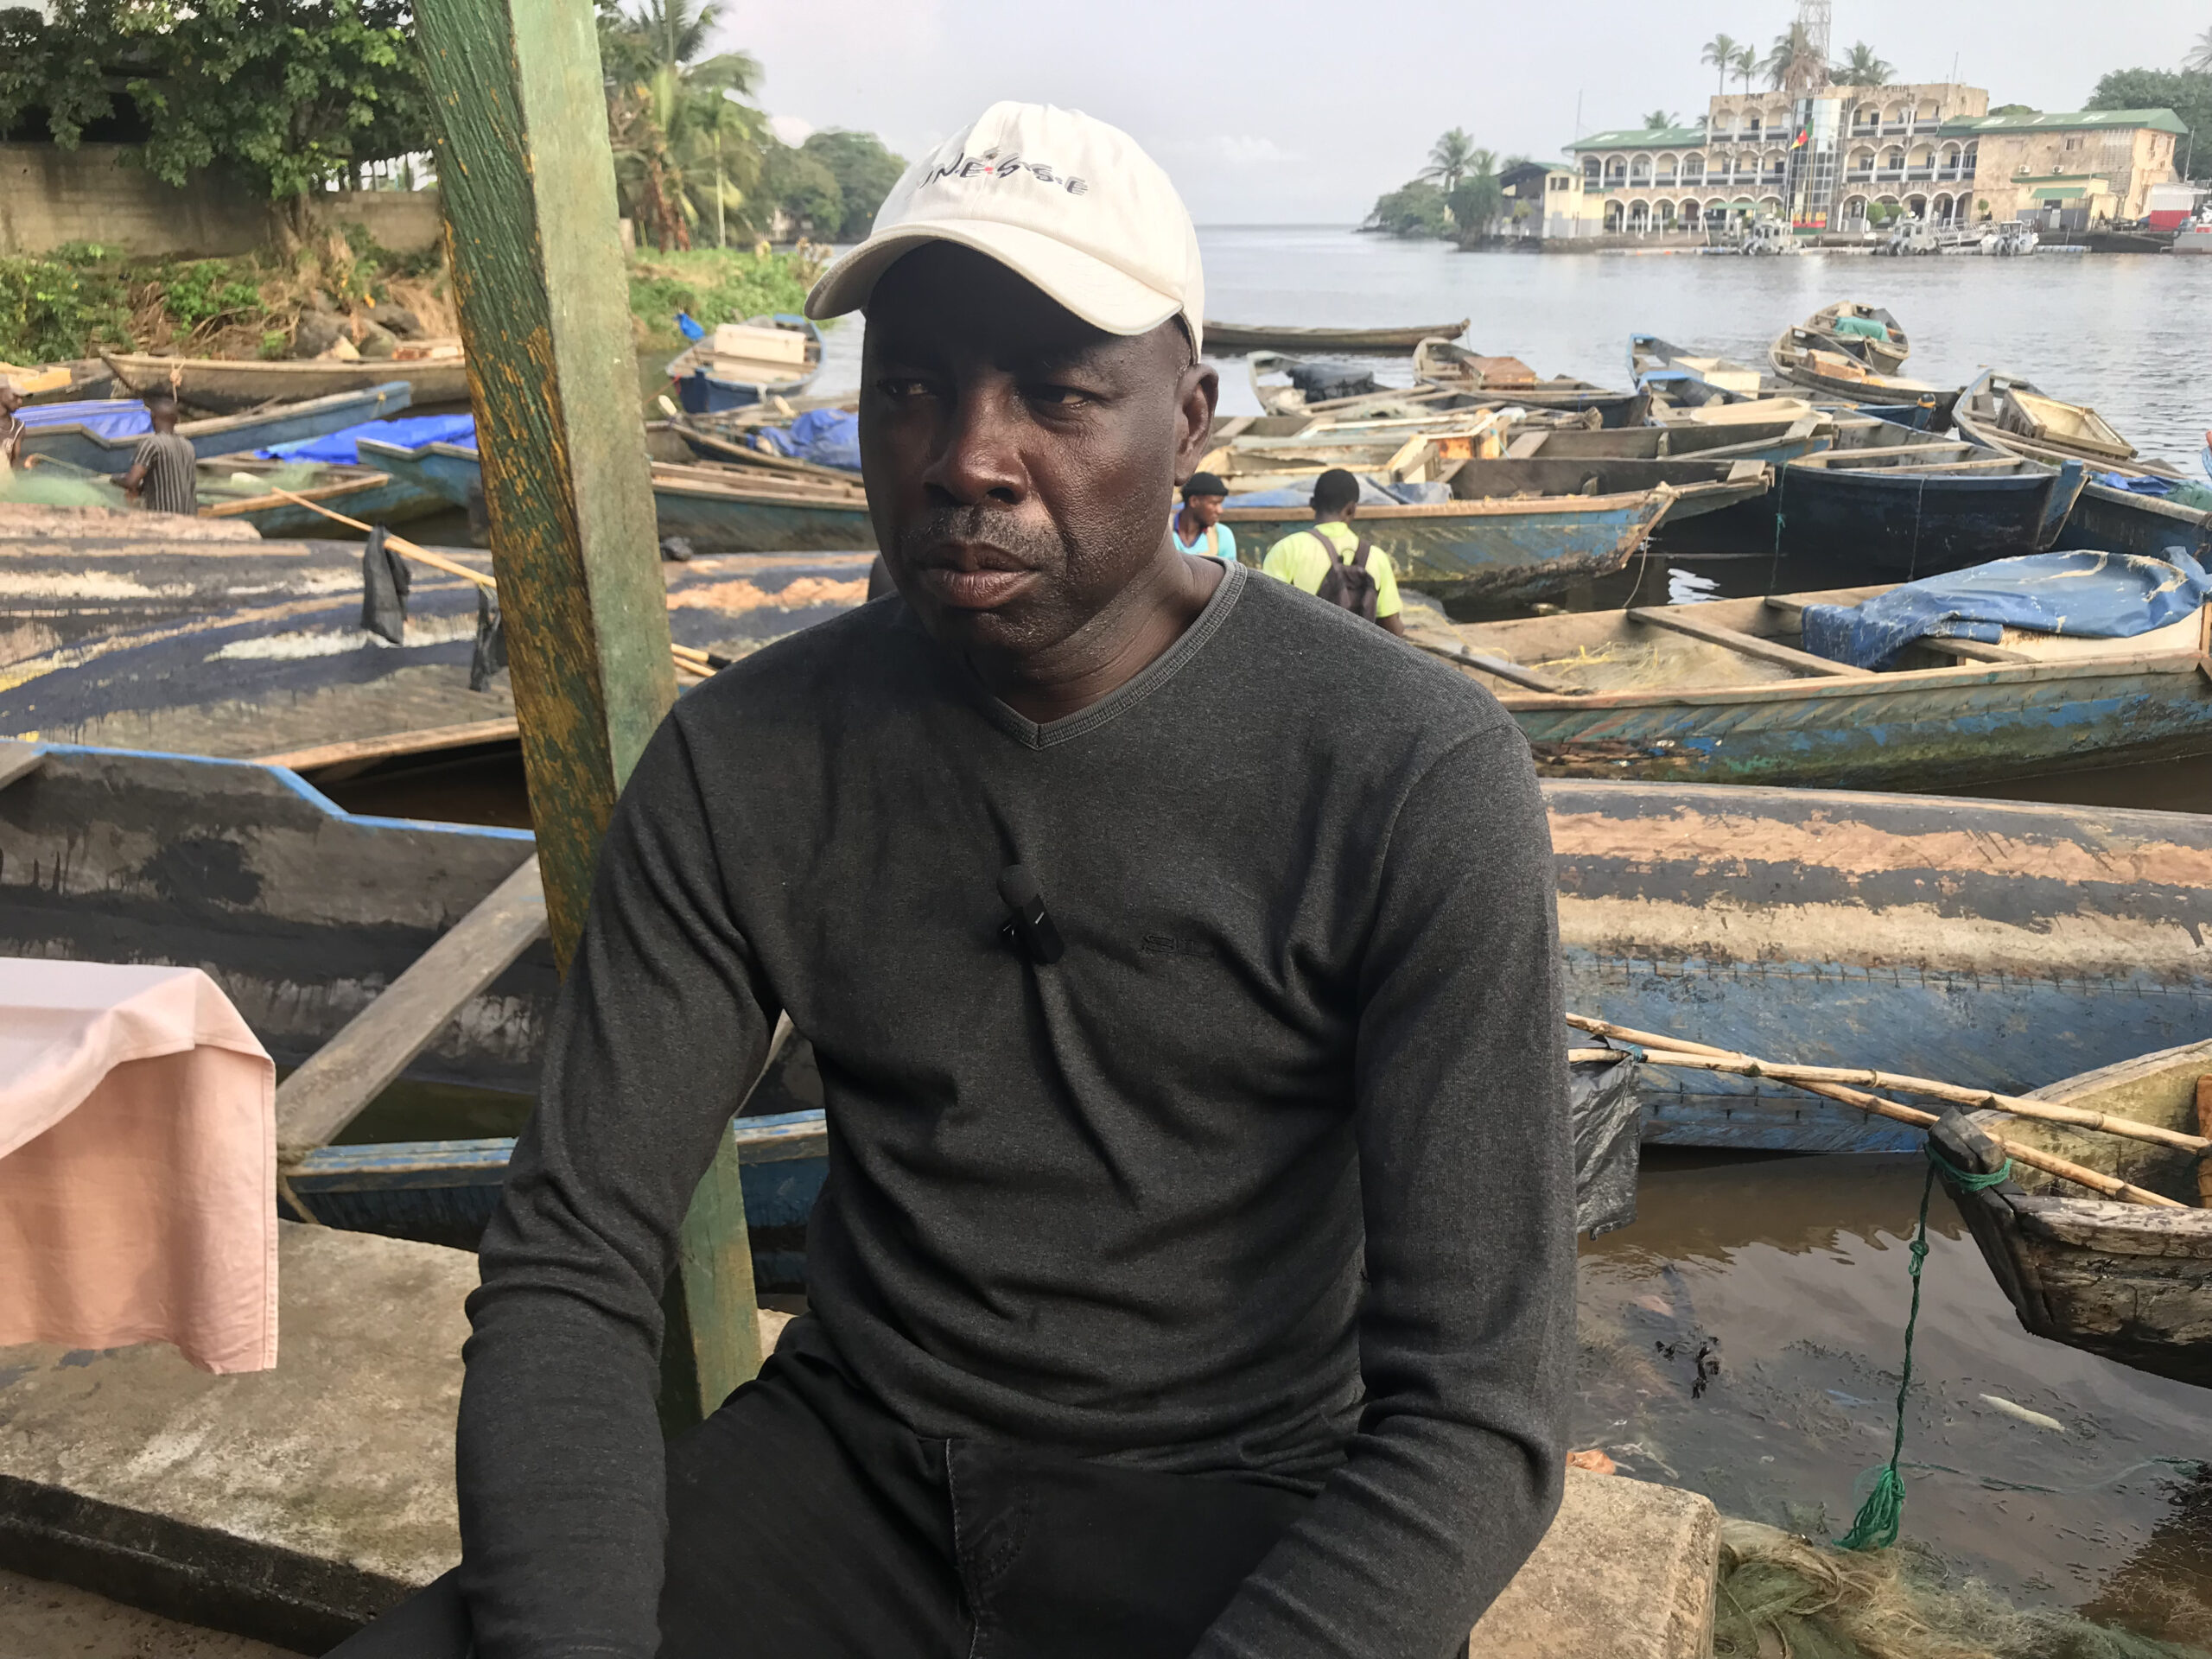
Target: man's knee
{"type": "Point", "coordinates": [432, 1623]}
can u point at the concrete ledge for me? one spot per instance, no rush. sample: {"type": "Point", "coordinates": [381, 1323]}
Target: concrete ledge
{"type": "Point", "coordinates": [43, 1620]}
{"type": "Point", "coordinates": [292, 1506]}
{"type": "Point", "coordinates": [1626, 1572]}
{"type": "Point", "coordinates": [289, 1505]}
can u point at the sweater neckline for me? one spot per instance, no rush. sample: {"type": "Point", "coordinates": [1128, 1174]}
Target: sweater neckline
{"type": "Point", "coordinates": [1139, 686]}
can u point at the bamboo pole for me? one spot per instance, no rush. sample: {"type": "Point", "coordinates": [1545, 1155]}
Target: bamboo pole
{"type": "Point", "coordinates": [1668, 1051]}
{"type": "Point", "coordinates": [1928, 1088]}
{"type": "Point", "coordinates": [689, 659]}
{"type": "Point", "coordinates": [2204, 1123]}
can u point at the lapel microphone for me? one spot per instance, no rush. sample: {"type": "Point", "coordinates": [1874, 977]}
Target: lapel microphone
{"type": "Point", "coordinates": [1031, 929]}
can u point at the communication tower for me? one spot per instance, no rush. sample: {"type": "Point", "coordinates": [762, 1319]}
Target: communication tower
{"type": "Point", "coordinates": [1816, 19]}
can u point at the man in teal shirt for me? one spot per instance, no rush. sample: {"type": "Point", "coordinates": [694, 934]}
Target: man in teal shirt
{"type": "Point", "coordinates": [1198, 526]}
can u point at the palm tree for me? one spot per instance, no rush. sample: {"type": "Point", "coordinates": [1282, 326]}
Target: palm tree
{"type": "Point", "coordinates": [1860, 67]}
{"type": "Point", "coordinates": [1449, 158]}
{"type": "Point", "coordinates": [1479, 200]}
{"type": "Point", "coordinates": [2199, 60]}
{"type": "Point", "coordinates": [1656, 119]}
{"type": "Point", "coordinates": [685, 142]}
{"type": "Point", "coordinates": [1720, 53]}
{"type": "Point", "coordinates": [1747, 65]}
{"type": "Point", "coordinates": [1792, 65]}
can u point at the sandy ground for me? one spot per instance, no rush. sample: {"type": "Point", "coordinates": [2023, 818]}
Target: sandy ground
{"type": "Point", "coordinates": [40, 1620]}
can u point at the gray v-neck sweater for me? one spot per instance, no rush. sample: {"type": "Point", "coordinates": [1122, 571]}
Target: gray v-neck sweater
{"type": "Point", "coordinates": [1269, 1175]}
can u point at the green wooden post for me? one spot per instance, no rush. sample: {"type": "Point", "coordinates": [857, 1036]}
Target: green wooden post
{"type": "Point", "coordinates": [528, 181]}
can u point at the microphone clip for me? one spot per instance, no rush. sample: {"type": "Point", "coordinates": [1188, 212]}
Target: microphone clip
{"type": "Point", "coordinates": [1029, 928]}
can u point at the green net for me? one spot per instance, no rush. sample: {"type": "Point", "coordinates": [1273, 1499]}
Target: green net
{"type": "Point", "coordinates": [1784, 1597]}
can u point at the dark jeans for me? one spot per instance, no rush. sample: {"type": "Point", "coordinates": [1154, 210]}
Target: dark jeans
{"type": "Point", "coordinates": [806, 1523]}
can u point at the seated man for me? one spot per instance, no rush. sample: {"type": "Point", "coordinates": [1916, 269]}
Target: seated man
{"type": "Point", "coordinates": [1194, 1270]}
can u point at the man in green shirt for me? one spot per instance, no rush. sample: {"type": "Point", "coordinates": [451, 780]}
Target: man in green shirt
{"type": "Point", "coordinates": [1305, 557]}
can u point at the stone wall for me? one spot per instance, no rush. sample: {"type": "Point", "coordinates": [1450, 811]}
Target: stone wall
{"type": "Point", "coordinates": [97, 193]}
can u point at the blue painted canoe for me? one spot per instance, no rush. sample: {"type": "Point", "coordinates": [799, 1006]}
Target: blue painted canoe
{"type": "Point", "coordinates": [1991, 943]}
{"type": "Point", "coordinates": [231, 434]}
{"type": "Point", "coordinates": [708, 383]}
{"type": "Point", "coordinates": [1719, 693]}
{"type": "Point", "coordinates": [715, 508]}
{"type": "Point", "coordinates": [1488, 551]}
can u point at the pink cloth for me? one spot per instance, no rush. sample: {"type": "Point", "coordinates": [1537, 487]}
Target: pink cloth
{"type": "Point", "coordinates": [137, 1164]}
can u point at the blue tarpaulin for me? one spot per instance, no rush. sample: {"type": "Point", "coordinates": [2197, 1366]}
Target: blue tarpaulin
{"type": "Point", "coordinates": [1373, 492]}
{"type": "Point", "coordinates": [106, 417]}
{"type": "Point", "coordinates": [408, 432]}
{"type": "Point", "coordinates": [2094, 595]}
{"type": "Point", "coordinates": [828, 437]}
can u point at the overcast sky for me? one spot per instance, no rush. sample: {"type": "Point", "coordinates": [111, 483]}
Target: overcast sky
{"type": "Point", "coordinates": [1297, 112]}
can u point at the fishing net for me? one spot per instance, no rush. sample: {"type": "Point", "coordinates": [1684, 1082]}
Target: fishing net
{"type": "Point", "coordinates": [1783, 1597]}
{"type": "Point", "coordinates": [39, 486]}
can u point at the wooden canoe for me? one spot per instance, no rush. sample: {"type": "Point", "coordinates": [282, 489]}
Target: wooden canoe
{"type": "Point", "coordinates": [1721, 693]}
{"type": "Point", "coordinates": [716, 508]}
{"type": "Point", "coordinates": [1230, 339]}
{"type": "Point", "coordinates": [1884, 354]}
{"type": "Point", "coordinates": [227, 435]}
{"type": "Point", "coordinates": [243, 488]}
{"type": "Point", "coordinates": [1808, 359]}
{"type": "Point", "coordinates": [1774, 441]}
{"type": "Point", "coordinates": [2011, 943]}
{"type": "Point", "coordinates": [1491, 550]}
{"type": "Point", "coordinates": [2130, 1282]}
{"type": "Point", "coordinates": [1501, 381]}
{"type": "Point", "coordinates": [712, 382]}
{"type": "Point", "coordinates": [231, 386]}
{"type": "Point", "coordinates": [2107, 519]}
{"type": "Point", "coordinates": [1916, 508]}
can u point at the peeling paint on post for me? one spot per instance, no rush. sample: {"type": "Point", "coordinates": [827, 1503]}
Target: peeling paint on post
{"type": "Point", "coordinates": [528, 180]}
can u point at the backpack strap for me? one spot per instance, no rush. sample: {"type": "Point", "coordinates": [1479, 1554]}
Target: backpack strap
{"type": "Point", "coordinates": [1359, 554]}
{"type": "Point", "coordinates": [1328, 544]}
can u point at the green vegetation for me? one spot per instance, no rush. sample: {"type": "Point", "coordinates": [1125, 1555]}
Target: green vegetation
{"type": "Point", "coordinates": [1860, 67]}
{"type": "Point", "coordinates": [714, 285]}
{"type": "Point", "coordinates": [83, 299]}
{"type": "Point", "coordinates": [1459, 194]}
{"type": "Point", "coordinates": [695, 162]}
{"type": "Point", "coordinates": [286, 95]}
{"type": "Point", "coordinates": [1654, 120]}
{"type": "Point", "coordinates": [2187, 94]}
{"type": "Point", "coordinates": [1720, 53]}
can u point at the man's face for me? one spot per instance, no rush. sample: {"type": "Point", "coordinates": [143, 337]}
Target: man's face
{"type": "Point", "coordinates": [1021, 465]}
{"type": "Point", "coordinates": [1205, 509]}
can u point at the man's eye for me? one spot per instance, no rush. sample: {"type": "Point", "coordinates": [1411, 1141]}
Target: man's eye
{"type": "Point", "coordinates": [903, 385]}
{"type": "Point", "coordinates": [1059, 396]}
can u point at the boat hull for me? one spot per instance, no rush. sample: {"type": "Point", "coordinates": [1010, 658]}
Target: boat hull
{"type": "Point", "coordinates": [1488, 551]}
{"type": "Point", "coordinates": [229, 436]}
{"type": "Point", "coordinates": [2124, 1281]}
{"type": "Point", "coordinates": [232, 387]}
{"type": "Point", "coordinates": [1229, 338]}
{"type": "Point", "coordinates": [1699, 486]}
{"type": "Point", "coordinates": [1917, 525]}
{"type": "Point", "coordinates": [712, 519]}
{"type": "Point", "coordinates": [2001, 943]}
{"type": "Point", "coordinates": [2107, 520]}
{"type": "Point", "coordinates": [1925, 731]}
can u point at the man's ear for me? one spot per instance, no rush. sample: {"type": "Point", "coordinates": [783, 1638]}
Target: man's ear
{"type": "Point", "coordinates": [1195, 396]}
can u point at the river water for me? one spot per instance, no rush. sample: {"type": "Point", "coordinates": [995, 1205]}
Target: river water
{"type": "Point", "coordinates": [1789, 1275]}
{"type": "Point", "coordinates": [2131, 335]}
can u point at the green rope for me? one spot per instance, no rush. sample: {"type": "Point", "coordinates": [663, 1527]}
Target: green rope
{"type": "Point", "coordinates": [1875, 1527]}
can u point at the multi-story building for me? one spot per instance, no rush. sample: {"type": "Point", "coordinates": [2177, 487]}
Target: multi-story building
{"type": "Point", "coordinates": [1822, 159]}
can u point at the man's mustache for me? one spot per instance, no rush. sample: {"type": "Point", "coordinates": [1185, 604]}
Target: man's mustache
{"type": "Point", "coordinates": [1005, 540]}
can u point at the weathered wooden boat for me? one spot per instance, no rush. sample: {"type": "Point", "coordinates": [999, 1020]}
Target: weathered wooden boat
{"type": "Point", "coordinates": [1775, 442]}
{"type": "Point", "coordinates": [1723, 693]}
{"type": "Point", "coordinates": [233, 386]}
{"type": "Point", "coordinates": [256, 647]}
{"type": "Point", "coordinates": [2130, 1282]}
{"type": "Point", "coordinates": [2012, 415]}
{"type": "Point", "coordinates": [1492, 551]}
{"type": "Point", "coordinates": [1808, 359]}
{"type": "Point", "coordinates": [1230, 339]}
{"type": "Point", "coordinates": [2009, 942]}
{"type": "Point", "coordinates": [1697, 484]}
{"type": "Point", "coordinates": [1917, 508]}
{"type": "Point", "coordinates": [701, 442]}
{"type": "Point", "coordinates": [58, 383]}
{"type": "Point", "coordinates": [83, 446]}
{"type": "Point", "coordinates": [1649, 356]}
{"type": "Point", "coordinates": [1507, 381]}
{"type": "Point", "coordinates": [740, 365]}
{"type": "Point", "coordinates": [1686, 387]}
{"type": "Point", "coordinates": [1866, 332]}
{"type": "Point", "coordinates": [716, 508]}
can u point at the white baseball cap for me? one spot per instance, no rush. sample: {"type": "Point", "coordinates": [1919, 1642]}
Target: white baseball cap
{"type": "Point", "coordinates": [1066, 202]}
